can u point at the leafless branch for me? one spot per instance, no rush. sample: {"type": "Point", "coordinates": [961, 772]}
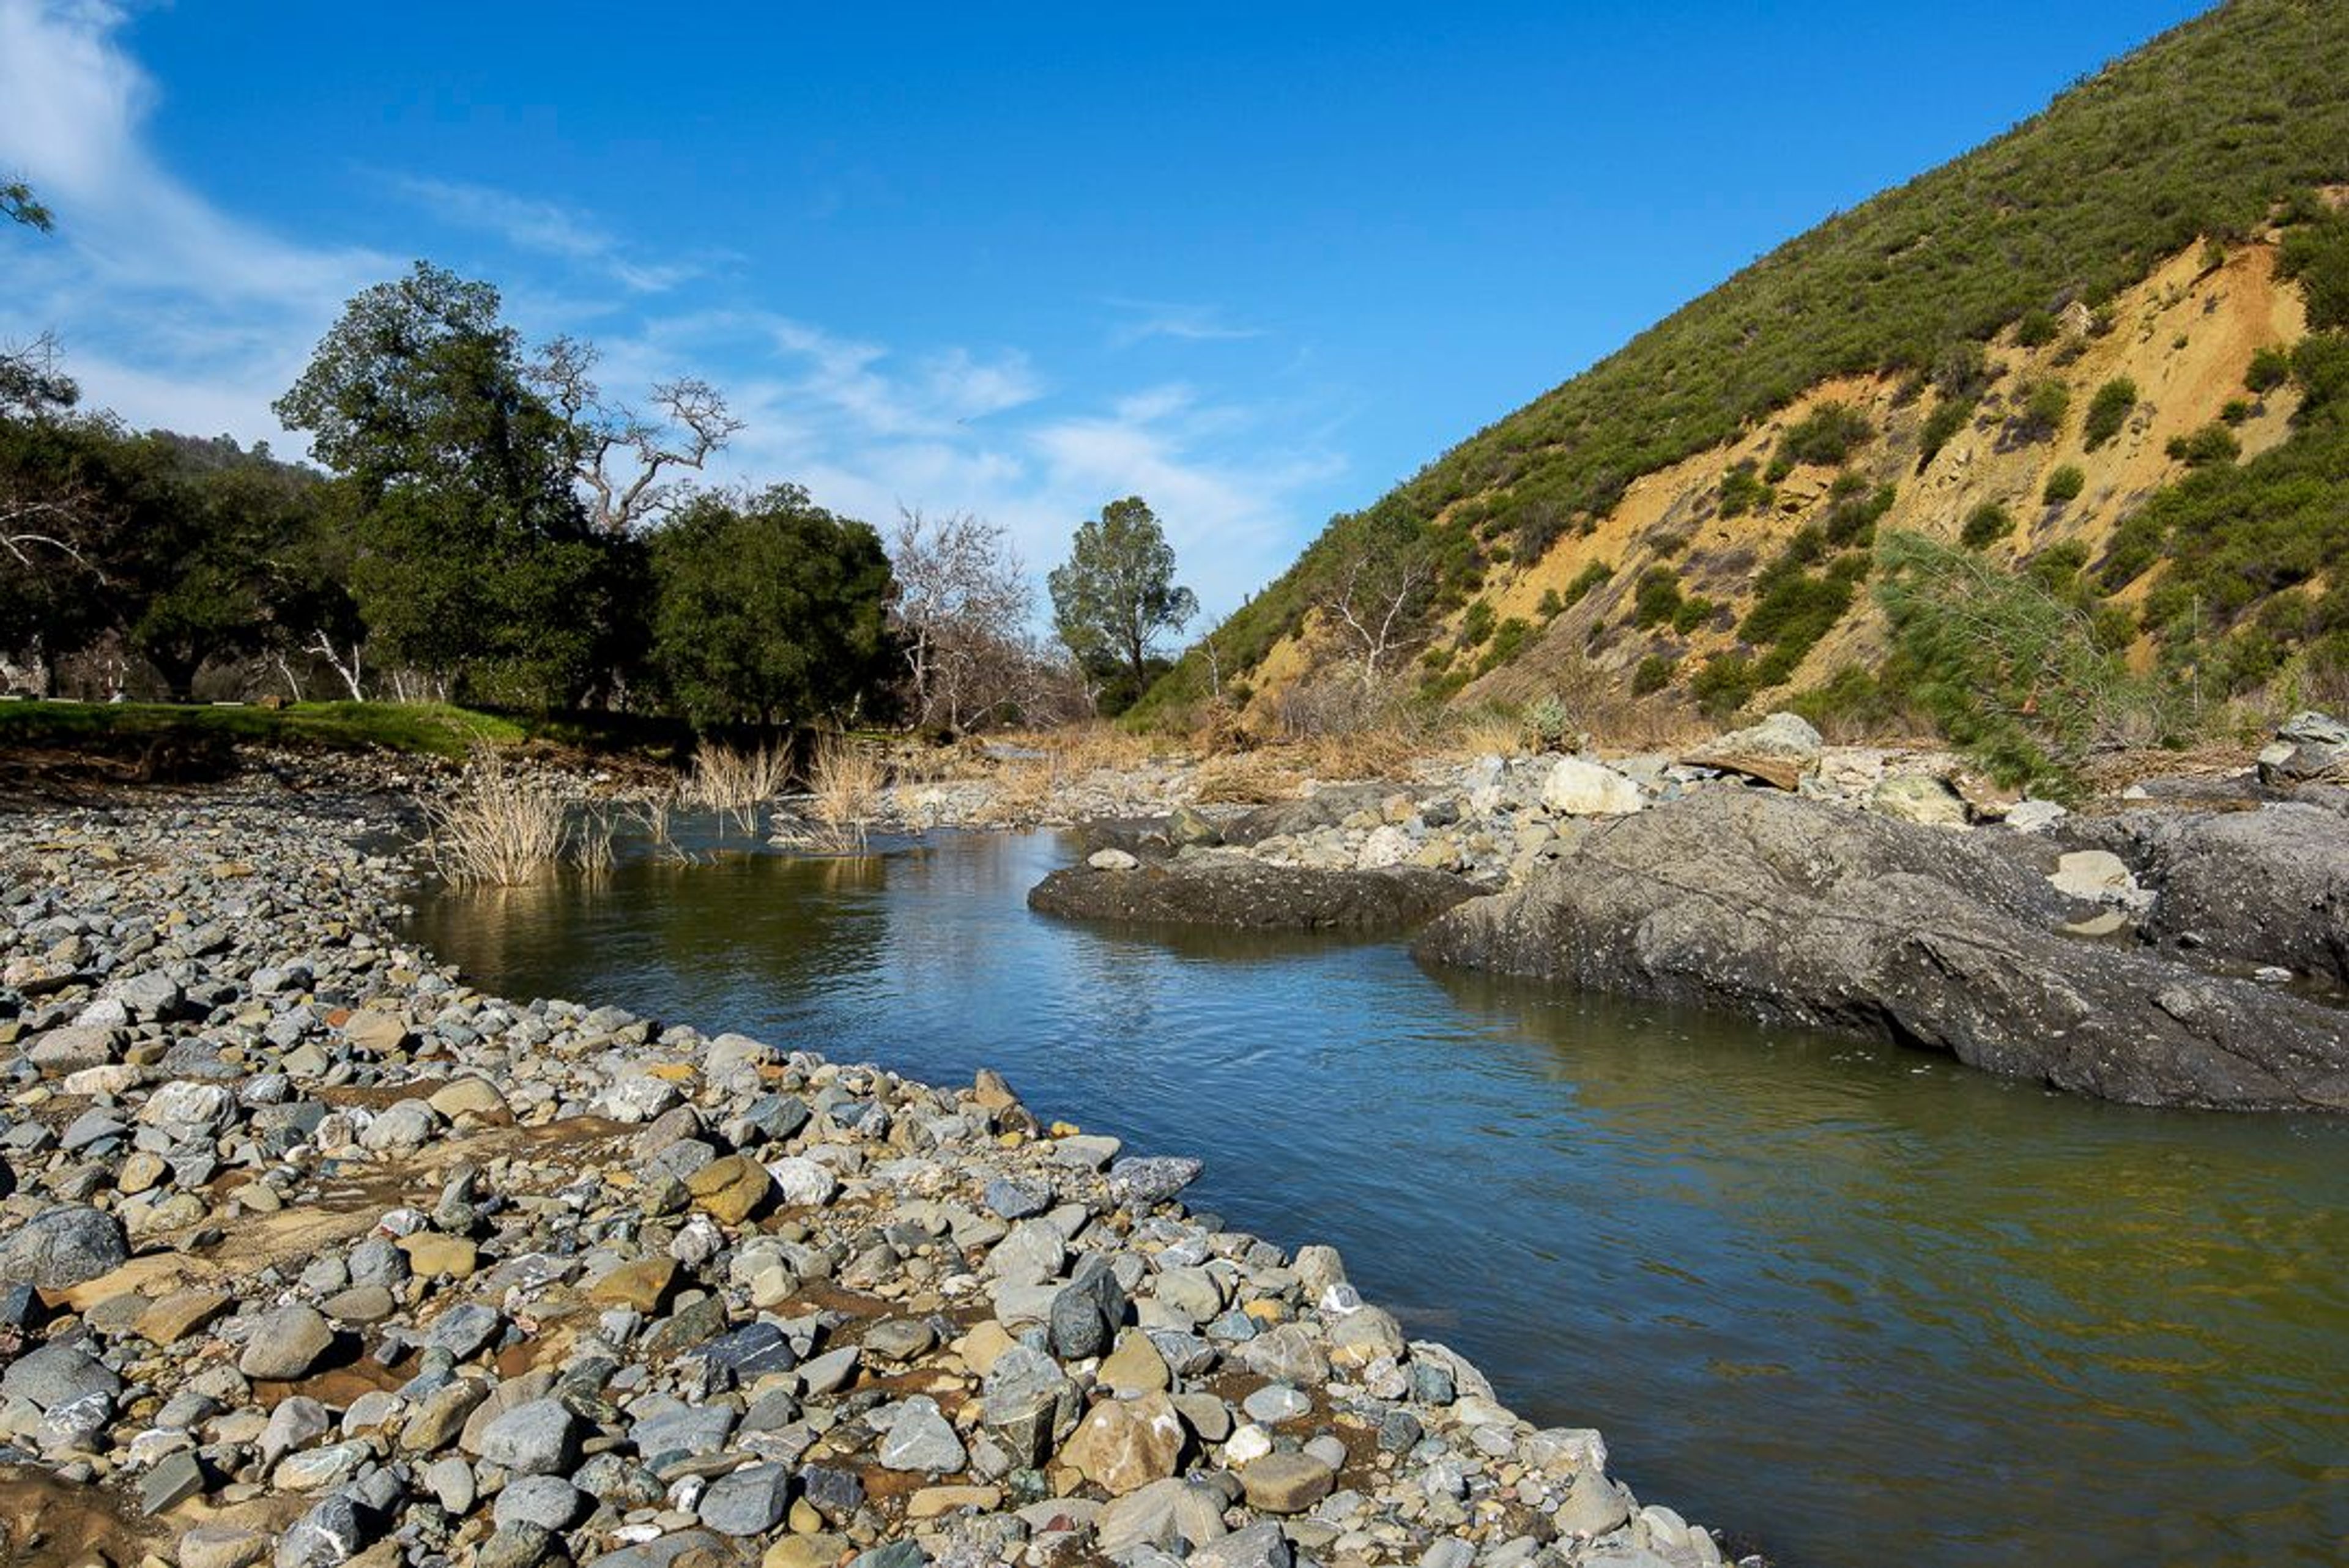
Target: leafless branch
{"type": "Point", "coordinates": [623, 452]}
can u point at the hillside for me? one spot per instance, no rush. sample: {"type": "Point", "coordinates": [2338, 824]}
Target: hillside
{"type": "Point", "coordinates": [2099, 324]}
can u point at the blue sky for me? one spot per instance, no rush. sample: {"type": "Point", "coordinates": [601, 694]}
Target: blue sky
{"type": "Point", "coordinates": [1253, 263]}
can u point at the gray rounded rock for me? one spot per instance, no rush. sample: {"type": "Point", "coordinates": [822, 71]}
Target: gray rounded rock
{"type": "Point", "coordinates": [65, 1246]}
{"type": "Point", "coordinates": [548, 1501]}
{"type": "Point", "coordinates": [536, 1437]}
{"type": "Point", "coordinates": [287, 1343]}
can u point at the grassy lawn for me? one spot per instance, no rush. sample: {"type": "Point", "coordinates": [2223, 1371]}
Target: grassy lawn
{"type": "Point", "coordinates": [438, 729]}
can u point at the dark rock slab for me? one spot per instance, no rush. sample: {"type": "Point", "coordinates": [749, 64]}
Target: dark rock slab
{"type": "Point", "coordinates": [1248, 895]}
{"type": "Point", "coordinates": [1800, 913]}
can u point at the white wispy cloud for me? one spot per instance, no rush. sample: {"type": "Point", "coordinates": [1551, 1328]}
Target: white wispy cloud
{"type": "Point", "coordinates": [151, 287]}
{"type": "Point", "coordinates": [1140, 320]}
{"type": "Point", "coordinates": [542, 227]}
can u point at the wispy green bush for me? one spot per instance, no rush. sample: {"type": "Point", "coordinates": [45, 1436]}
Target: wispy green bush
{"type": "Point", "coordinates": [2022, 676]}
{"type": "Point", "coordinates": [2108, 410]}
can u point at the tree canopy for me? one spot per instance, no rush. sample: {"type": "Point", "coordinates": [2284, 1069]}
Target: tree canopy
{"type": "Point", "coordinates": [1116, 593]}
{"type": "Point", "coordinates": [769, 609]}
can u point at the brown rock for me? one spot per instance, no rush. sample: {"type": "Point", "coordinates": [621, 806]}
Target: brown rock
{"type": "Point", "coordinates": [807, 1550]}
{"type": "Point", "coordinates": [181, 1314]}
{"type": "Point", "coordinates": [468, 1096]}
{"type": "Point", "coordinates": [1134, 1367]}
{"type": "Point", "coordinates": [1123, 1445]}
{"type": "Point", "coordinates": [377, 1032]}
{"type": "Point", "coordinates": [643, 1284]}
{"type": "Point", "coordinates": [433, 1254]}
{"type": "Point", "coordinates": [933, 1500]}
{"type": "Point", "coordinates": [731, 1190]}
{"type": "Point", "coordinates": [1285, 1484]}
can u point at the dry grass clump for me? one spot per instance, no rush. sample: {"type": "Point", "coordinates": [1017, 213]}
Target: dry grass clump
{"type": "Point", "coordinates": [844, 785]}
{"type": "Point", "coordinates": [723, 779]}
{"type": "Point", "coordinates": [499, 828]}
{"type": "Point", "coordinates": [1246, 779]}
{"type": "Point", "coordinates": [1023, 790]}
{"type": "Point", "coordinates": [1487, 732]}
{"type": "Point", "coordinates": [1093, 748]}
{"type": "Point", "coordinates": [1360, 754]}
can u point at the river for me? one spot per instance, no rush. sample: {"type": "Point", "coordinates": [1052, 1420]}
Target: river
{"type": "Point", "coordinates": [1854, 1305]}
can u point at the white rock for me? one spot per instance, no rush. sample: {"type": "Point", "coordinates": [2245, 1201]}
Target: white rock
{"type": "Point", "coordinates": [803, 1182]}
{"type": "Point", "coordinates": [1580, 789]}
{"type": "Point", "coordinates": [1112, 861]}
{"type": "Point", "coordinates": [1388, 846]}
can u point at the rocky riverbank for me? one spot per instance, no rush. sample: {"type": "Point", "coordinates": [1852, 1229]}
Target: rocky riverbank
{"type": "Point", "coordinates": [2181, 944]}
{"type": "Point", "coordinates": [312, 1255]}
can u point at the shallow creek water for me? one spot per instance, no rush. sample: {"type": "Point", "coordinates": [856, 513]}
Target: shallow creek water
{"type": "Point", "coordinates": [1859, 1305]}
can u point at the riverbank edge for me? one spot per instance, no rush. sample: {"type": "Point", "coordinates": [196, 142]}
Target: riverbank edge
{"type": "Point", "coordinates": [1560, 1474]}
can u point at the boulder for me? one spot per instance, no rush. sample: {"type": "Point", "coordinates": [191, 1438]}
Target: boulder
{"type": "Point", "coordinates": [64, 1246]}
{"type": "Point", "coordinates": [1802, 915]}
{"type": "Point", "coordinates": [1124, 1445]}
{"type": "Point", "coordinates": [1575, 788]}
{"type": "Point", "coordinates": [1918, 797]}
{"type": "Point", "coordinates": [2269, 886]}
{"type": "Point", "coordinates": [1249, 895]}
{"type": "Point", "coordinates": [2307, 746]}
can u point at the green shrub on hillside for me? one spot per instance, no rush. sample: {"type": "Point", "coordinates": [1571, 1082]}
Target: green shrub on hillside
{"type": "Point", "coordinates": [1658, 599]}
{"type": "Point", "coordinates": [1945, 421]}
{"type": "Point", "coordinates": [1507, 638]}
{"type": "Point", "coordinates": [2316, 256]}
{"type": "Point", "coordinates": [1654, 673]}
{"type": "Point", "coordinates": [2213, 443]}
{"type": "Point", "coordinates": [2108, 410]}
{"type": "Point", "coordinates": [1852, 520]}
{"type": "Point", "coordinates": [1726, 683]}
{"type": "Point", "coordinates": [1476, 625]}
{"type": "Point", "coordinates": [1594, 574]}
{"type": "Point", "coordinates": [1826, 436]}
{"type": "Point", "coordinates": [2036, 329]}
{"type": "Point", "coordinates": [2064, 485]}
{"type": "Point", "coordinates": [1742, 490]}
{"type": "Point", "coordinates": [2271, 368]}
{"type": "Point", "coordinates": [1986, 524]}
{"type": "Point", "coordinates": [2039, 414]}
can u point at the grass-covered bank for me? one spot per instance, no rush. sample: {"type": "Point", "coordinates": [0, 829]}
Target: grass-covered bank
{"type": "Point", "coordinates": [432, 729]}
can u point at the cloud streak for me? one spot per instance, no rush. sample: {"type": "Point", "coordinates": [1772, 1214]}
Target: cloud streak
{"type": "Point", "coordinates": [170, 309]}
{"type": "Point", "coordinates": [177, 312]}
{"type": "Point", "coordinates": [544, 228]}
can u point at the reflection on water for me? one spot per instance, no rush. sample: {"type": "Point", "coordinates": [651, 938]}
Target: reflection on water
{"type": "Point", "coordinates": [1862, 1304]}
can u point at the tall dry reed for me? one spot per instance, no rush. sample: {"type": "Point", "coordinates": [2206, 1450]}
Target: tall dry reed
{"type": "Point", "coordinates": [736, 782]}
{"type": "Point", "coordinates": [499, 828]}
{"type": "Point", "coordinates": [844, 785]}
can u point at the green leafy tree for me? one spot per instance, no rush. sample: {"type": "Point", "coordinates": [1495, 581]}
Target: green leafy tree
{"type": "Point", "coordinates": [1116, 592]}
{"type": "Point", "coordinates": [769, 609]}
{"type": "Point", "coordinates": [17, 202]}
{"type": "Point", "coordinates": [474, 563]}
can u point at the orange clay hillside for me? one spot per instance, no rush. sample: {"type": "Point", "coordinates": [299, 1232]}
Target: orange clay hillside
{"type": "Point", "coordinates": [2100, 363]}
{"type": "Point", "coordinates": [2184, 338]}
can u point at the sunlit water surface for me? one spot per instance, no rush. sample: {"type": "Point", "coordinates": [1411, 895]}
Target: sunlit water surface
{"type": "Point", "coordinates": [1860, 1305]}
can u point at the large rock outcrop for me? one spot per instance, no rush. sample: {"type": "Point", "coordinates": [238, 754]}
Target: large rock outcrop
{"type": "Point", "coordinates": [2264, 886]}
{"type": "Point", "coordinates": [1249, 895]}
{"type": "Point", "coordinates": [1800, 913]}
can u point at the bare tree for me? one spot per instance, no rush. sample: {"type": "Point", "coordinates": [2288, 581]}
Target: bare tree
{"type": "Point", "coordinates": [963, 604]}
{"type": "Point", "coordinates": [1373, 603]}
{"type": "Point", "coordinates": [623, 452]}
